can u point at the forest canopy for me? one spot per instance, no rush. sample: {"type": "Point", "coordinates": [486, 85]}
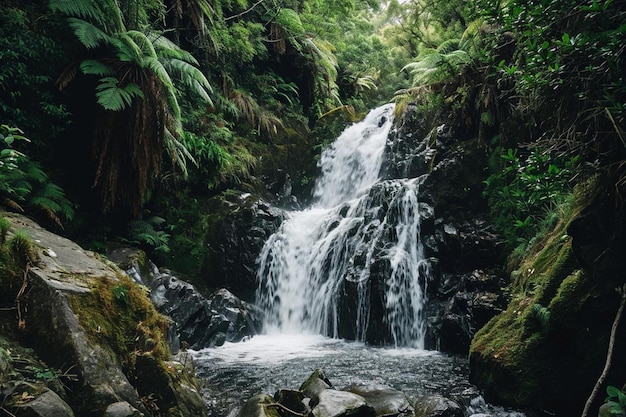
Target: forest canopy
{"type": "Point", "coordinates": [132, 111]}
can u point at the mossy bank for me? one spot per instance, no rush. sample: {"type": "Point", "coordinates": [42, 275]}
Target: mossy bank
{"type": "Point", "coordinates": [548, 349]}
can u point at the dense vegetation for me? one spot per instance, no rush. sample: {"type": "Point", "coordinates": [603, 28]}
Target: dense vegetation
{"type": "Point", "coordinates": [119, 120]}
{"type": "Point", "coordinates": [137, 111]}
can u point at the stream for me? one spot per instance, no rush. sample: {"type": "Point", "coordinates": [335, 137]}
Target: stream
{"type": "Point", "coordinates": [235, 372]}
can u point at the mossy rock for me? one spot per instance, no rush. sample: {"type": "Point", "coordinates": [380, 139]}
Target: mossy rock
{"type": "Point", "coordinates": [548, 348]}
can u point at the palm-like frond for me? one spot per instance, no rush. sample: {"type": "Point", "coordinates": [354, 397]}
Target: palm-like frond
{"type": "Point", "coordinates": [178, 152]}
{"type": "Point", "coordinates": [435, 65]}
{"type": "Point", "coordinates": [138, 90]}
{"type": "Point", "coordinates": [324, 61]}
{"type": "Point", "coordinates": [89, 34]}
{"type": "Point", "coordinates": [167, 49]}
{"type": "Point", "coordinates": [105, 13]}
{"type": "Point", "coordinates": [95, 67]}
{"type": "Point", "coordinates": [112, 96]}
{"type": "Point", "coordinates": [85, 9]}
{"type": "Point", "coordinates": [191, 77]}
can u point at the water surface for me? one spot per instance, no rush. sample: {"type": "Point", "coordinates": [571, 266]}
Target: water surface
{"type": "Point", "coordinates": [235, 372]}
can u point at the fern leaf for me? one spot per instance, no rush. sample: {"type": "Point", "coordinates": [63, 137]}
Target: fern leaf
{"type": "Point", "coordinates": [80, 8]}
{"type": "Point", "coordinates": [88, 34]}
{"type": "Point", "coordinates": [113, 97]}
{"type": "Point", "coordinates": [168, 49]}
{"type": "Point", "coordinates": [289, 20]}
{"type": "Point", "coordinates": [192, 77]}
{"type": "Point", "coordinates": [142, 42]}
{"type": "Point", "coordinates": [95, 67]}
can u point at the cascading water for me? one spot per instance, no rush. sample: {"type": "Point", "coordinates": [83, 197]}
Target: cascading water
{"type": "Point", "coordinates": [360, 239]}
{"type": "Point", "coordinates": [351, 267]}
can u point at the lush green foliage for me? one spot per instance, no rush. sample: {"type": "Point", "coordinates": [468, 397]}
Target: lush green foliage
{"type": "Point", "coordinates": [182, 97]}
{"type": "Point", "coordinates": [23, 183]}
{"type": "Point", "coordinates": [523, 190]}
{"type": "Point", "coordinates": [567, 74]}
{"type": "Point", "coordinates": [32, 57]}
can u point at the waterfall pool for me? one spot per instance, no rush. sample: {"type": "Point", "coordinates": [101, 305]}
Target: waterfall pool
{"type": "Point", "coordinates": [235, 372]}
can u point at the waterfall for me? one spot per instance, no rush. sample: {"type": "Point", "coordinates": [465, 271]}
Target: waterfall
{"type": "Point", "coordinates": [355, 254]}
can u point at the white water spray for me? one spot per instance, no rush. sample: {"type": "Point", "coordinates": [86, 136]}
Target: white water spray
{"type": "Point", "coordinates": [329, 251]}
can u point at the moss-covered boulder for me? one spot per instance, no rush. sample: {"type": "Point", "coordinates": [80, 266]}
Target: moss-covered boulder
{"type": "Point", "coordinates": [94, 328]}
{"type": "Point", "coordinates": [548, 349]}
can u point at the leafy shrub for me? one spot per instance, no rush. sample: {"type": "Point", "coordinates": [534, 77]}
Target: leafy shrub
{"type": "Point", "coordinates": [24, 186]}
{"type": "Point", "coordinates": [521, 194]}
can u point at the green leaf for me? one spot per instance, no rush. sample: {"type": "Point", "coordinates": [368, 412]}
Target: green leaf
{"type": "Point", "coordinates": [113, 97]}
{"type": "Point", "coordinates": [95, 67]}
{"type": "Point", "coordinates": [88, 34]}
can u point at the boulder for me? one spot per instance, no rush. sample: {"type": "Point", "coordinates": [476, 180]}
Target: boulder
{"type": "Point", "coordinates": [199, 321]}
{"type": "Point", "coordinates": [86, 316]}
{"type": "Point", "coordinates": [241, 225]}
{"type": "Point", "coordinates": [293, 400]}
{"type": "Point", "coordinates": [46, 404]}
{"type": "Point", "coordinates": [315, 384]}
{"type": "Point", "coordinates": [261, 405]}
{"type": "Point", "coordinates": [385, 400]}
{"type": "Point", "coordinates": [121, 409]}
{"type": "Point", "coordinates": [335, 403]}
{"type": "Point", "coordinates": [438, 406]}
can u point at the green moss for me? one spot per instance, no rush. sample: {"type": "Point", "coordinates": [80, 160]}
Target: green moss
{"type": "Point", "coordinates": [571, 295]}
{"type": "Point", "coordinates": [117, 314]}
{"type": "Point", "coordinates": [512, 353]}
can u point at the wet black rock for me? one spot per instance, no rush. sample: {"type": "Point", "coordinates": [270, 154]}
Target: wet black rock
{"type": "Point", "coordinates": [241, 225]}
{"type": "Point", "coordinates": [199, 321]}
{"type": "Point", "coordinates": [204, 322]}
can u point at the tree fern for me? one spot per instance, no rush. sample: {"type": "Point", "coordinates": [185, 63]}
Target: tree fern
{"type": "Point", "coordinates": [138, 88]}
{"type": "Point", "coordinates": [436, 65]}
{"type": "Point", "coordinates": [105, 13]}
{"type": "Point", "coordinates": [325, 73]}
{"type": "Point", "coordinates": [95, 67]}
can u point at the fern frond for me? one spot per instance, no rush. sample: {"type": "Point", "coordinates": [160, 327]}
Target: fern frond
{"type": "Point", "coordinates": [111, 96]}
{"type": "Point", "coordinates": [144, 45]}
{"type": "Point", "coordinates": [192, 77]}
{"type": "Point", "coordinates": [268, 123]}
{"type": "Point", "coordinates": [178, 152]}
{"type": "Point", "coordinates": [448, 46]}
{"type": "Point", "coordinates": [165, 48]}
{"type": "Point", "coordinates": [247, 106]}
{"type": "Point", "coordinates": [89, 34]}
{"type": "Point", "coordinates": [85, 9]}
{"type": "Point", "coordinates": [66, 77]}
{"type": "Point", "coordinates": [95, 67]}
{"type": "Point", "coordinates": [105, 13]}
{"type": "Point", "coordinates": [289, 21]}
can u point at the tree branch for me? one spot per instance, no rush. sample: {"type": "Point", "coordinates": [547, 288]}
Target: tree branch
{"type": "Point", "coordinates": [609, 354]}
{"type": "Point", "coordinates": [244, 12]}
